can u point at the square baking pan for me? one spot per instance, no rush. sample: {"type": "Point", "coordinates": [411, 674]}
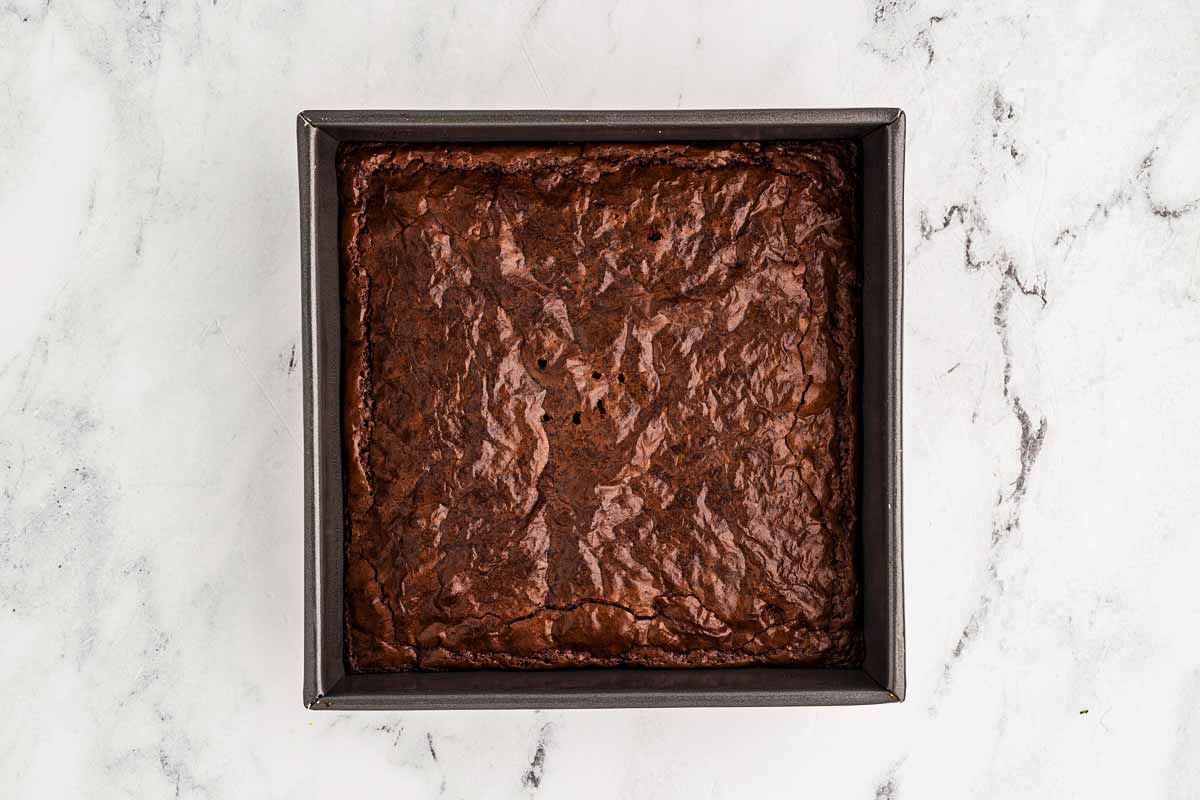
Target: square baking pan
{"type": "Point", "coordinates": [327, 682]}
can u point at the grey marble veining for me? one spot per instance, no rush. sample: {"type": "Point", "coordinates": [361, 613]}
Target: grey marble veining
{"type": "Point", "coordinates": [150, 477]}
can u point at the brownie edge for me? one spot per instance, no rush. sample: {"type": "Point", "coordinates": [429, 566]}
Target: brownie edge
{"type": "Point", "coordinates": [599, 405]}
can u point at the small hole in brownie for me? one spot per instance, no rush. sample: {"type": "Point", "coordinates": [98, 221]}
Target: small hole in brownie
{"type": "Point", "coordinates": [576, 418]}
{"type": "Point", "coordinates": [736, 265]}
{"type": "Point", "coordinates": [600, 406]}
{"type": "Point", "coordinates": [621, 377]}
{"type": "Point", "coordinates": [541, 363]}
{"type": "Point", "coordinates": [596, 376]}
{"type": "Point", "coordinates": [654, 236]}
{"type": "Point", "coordinates": [545, 417]}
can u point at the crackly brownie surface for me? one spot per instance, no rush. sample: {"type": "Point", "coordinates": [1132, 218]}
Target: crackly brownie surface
{"type": "Point", "coordinates": [599, 405]}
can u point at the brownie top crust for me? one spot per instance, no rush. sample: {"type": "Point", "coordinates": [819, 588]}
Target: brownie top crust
{"type": "Point", "coordinates": [599, 405]}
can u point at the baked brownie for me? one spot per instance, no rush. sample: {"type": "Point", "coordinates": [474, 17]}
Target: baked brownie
{"type": "Point", "coordinates": [599, 405]}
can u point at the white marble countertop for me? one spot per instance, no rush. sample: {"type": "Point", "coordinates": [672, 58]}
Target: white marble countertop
{"type": "Point", "coordinates": [150, 461]}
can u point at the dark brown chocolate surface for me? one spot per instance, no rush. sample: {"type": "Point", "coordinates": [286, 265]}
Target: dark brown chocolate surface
{"type": "Point", "coordinates": [599, 405]}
